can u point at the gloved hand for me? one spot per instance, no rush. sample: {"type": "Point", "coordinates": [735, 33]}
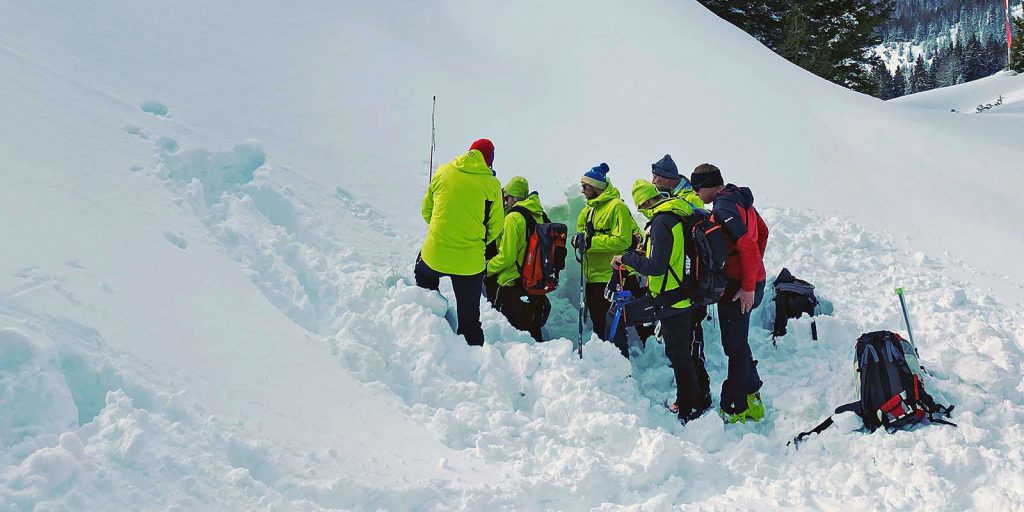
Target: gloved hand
{"type": "Point", "coordinates": [638, 242]}
{"type": "Point", "coordinates": [579, 241]}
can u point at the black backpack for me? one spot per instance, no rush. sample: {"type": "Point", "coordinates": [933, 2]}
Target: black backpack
{"type": "Point", "coordinates": [703, 281]}
{"type": "Point", "coordinates": [706, 248]}
{"type": "Point", "coordinates": [892, 391]}
{"type": "Point", "coordinates": [793, 298]}
{"type": "Point", "coordinates": [544, 254]}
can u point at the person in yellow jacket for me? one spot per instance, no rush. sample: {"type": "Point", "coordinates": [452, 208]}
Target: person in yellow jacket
{"type": "Point", "coordinates": [463, 211]}
{"type": "Point", "coordinates": [524, 312]}
{"type": "Point", "coordinates": [604, 230]}
{"type": "Point", "coordinates": [665, 175]}
{"type": "Point", "coordinates": [664, 262]}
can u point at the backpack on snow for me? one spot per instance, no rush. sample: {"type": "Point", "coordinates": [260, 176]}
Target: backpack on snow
{"type": "Point", "coordinates": [892, 391]}
{"type": "Point", "coordinates": [545, 253]}
{"type": "Point", "coordinates": [793, 298]}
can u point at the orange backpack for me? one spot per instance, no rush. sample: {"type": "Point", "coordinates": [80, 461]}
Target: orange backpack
{"type": "Point", "coordinates": [545, 253]}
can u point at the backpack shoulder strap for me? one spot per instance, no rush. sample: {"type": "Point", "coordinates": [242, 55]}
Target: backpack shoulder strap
{"type": "Point", "coordinates": [527, 216]}
{"type": "Point", "coordinates": [531, 225]}
{"type": "Point", "coordinates": [824, 425]}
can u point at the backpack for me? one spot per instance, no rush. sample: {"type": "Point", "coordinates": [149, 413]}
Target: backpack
{"type": "Point", "coordinates": [706, 248]}
{"type": "Point", "coordinates": [793, 298]}
{"type": "Point", "coordinates": [892, 390]}
{"type": "Point", "coordinates": [545, 253]}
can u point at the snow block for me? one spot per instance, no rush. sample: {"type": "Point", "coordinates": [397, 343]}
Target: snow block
{"type": "Point", "coordinates": [154, 107]}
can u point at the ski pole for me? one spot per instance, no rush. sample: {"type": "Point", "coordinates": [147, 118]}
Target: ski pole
{"type": "Point", "coordinates": [430, 164]}
{"type": "Point", "coordinates": [583, 299]}
{"type": "Point", "coordinates": [906, 315]}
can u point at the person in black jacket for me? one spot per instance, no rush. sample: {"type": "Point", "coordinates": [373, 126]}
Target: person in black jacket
{"type": "Point", "coordinates": [664, 263]}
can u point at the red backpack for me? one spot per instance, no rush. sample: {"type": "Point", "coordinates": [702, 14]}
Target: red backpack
{"type": "Point", "coordinates": [545, 253]}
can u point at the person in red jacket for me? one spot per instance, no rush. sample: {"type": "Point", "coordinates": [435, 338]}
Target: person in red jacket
{"type": "Point", "coordinates": [733, 209]}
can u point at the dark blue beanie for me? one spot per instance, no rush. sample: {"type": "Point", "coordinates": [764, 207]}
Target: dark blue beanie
{"type": "Point", "coordinates": [597, 177]}
{"type": "Point", "coordinates": [665, 168]}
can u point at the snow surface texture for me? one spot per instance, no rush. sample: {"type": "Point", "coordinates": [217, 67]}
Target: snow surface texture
{"type": "Point", "coordinates": [190, 319]}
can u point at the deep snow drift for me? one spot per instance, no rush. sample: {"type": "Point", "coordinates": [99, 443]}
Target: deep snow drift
{"type": "Point", "coordinates": [210, 222]}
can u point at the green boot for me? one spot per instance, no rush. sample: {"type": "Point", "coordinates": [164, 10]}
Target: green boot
{"type": "Point", "coordinates": [754, 411]}
{"type": "Point", "coordinates": [755, 408]}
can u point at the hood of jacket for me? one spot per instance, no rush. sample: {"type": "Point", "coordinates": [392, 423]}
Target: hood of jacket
{"type": "Point", "coordinates": [472, 162]}
{"type": "Point", "coordinates": [610, 193]}
{"type": "Point", "coordinates": [739, 195]}
{"type": "Point", "coordinates": [532, 203]}
{"type": "Point", "coordinates": [674, 205]}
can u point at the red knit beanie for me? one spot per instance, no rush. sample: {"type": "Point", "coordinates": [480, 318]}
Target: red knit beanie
{"type": "Point", "coordinates": [486, 148]}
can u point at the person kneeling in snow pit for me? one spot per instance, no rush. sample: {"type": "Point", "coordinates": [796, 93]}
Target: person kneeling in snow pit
{"type": "Point", "coordinates": [462, 208]}
{"type": "Point", "coordinates": [733, 209]}
{"type": "Point", "coordinates": [524, 312]}
{"type": "Point", "coordinates": [663, 261]}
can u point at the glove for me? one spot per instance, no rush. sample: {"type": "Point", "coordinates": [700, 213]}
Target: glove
{"type": "Point", "coordinates": [579, 241]}
{"type": "Point", "coordinates": [638, 242]}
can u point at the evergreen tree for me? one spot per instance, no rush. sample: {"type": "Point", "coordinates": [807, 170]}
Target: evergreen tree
{"type": "Point", "coordinates": [920, 78]}
{"type": "Point", "coordinates": [899, 84]}
{"type": "Point", "coordinates": [833, 39]}
{"type": "Point", "coordinates": [946, 66]}
{"type": "Point", "coordinates": [973, 60]}
{"type": "Point", "coordinates": [1017, 50]}
{"type": "Point", "coordinates": [883, 81]}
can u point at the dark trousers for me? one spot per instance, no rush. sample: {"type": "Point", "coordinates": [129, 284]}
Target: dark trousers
{"type": "Point", "coordinates": [491, 288]}
{"type": "Point", "coordinates": [677, 334]}
{"type": "Point", "coordinates": [467, 298]}
{"type": "Point", "coordinates": [620, 338]}
{"type": "Point", "coordinates": [697, 355]}
{"type": "Point", "coordinates": [597, 308]}
{"type": "Point", "coordinates": [743, 378]}
{"type": "Point", "coordinates": [527, 316]}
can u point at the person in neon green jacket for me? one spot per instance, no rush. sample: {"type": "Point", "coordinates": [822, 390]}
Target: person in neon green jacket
{"type": "Point", "coordinates": [664, 262]}
{"type": "Point", "coordinates": [604, 230]}
{"type": "Point", "coordinates": [523, 312]}
{"type": "Point", "coordinates": [462, 208]}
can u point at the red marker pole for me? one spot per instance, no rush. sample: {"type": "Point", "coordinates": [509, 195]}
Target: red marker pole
{"type": "Point", "coordinates": [1009, 33]}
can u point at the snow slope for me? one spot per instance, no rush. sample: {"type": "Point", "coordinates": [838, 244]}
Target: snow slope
{"type": "Point", "coordinates": [206, 300]}
{"type": "Point", "coordinates": [342, 90]}
{"type": "Point", "coordinates": [966, 98]}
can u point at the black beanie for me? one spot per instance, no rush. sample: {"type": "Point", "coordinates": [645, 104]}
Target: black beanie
{"type": "Point", "coordinates": [706, 176]}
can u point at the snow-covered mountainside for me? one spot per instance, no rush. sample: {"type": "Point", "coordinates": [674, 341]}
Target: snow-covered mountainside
{"type": "Point", "coordinates": [1002, 94]}
{"type": "Point", "coordinates": [211, 213]}
{"type": "Point", "coordinates": [959, 41]}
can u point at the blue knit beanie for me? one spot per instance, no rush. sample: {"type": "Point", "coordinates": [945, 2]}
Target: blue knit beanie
{"type": "Point", "coordinates": [597, 177]}
{"type": "Point", "coordinates": [665, 168]}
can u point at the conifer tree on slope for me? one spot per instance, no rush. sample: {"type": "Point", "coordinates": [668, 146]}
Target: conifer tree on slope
{"type": "Point", "coordinates": [1017, 49]}
{"type": "Point", "coordinates": [833, 39]}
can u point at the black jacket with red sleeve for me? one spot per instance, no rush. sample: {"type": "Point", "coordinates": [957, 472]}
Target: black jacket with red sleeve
{"type": "Point", "coordinates": [748, 235]}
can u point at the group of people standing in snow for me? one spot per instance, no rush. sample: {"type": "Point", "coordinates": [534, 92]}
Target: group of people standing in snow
{"type": "Point", "coordinates": [477, 236]}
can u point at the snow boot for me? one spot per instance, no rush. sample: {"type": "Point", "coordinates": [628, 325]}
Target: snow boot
{"type": "Point", "coordinates": [753, 412]}
{"type": "Point", "coordinates": [685, 417]}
